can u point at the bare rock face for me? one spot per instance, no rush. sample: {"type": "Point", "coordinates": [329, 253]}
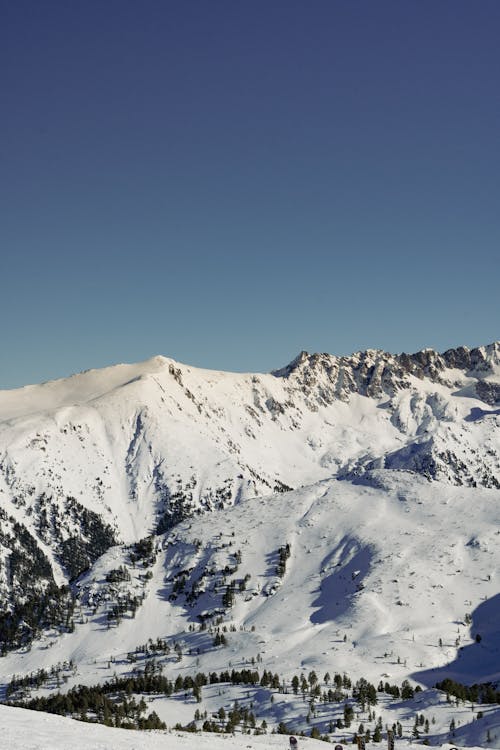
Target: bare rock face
{"type": "Point", "coordinates": [488, 392]}
{"type": "Point", "coordinates": [481, 359]}
{"type": "Point", "coordinates": [375, 373]}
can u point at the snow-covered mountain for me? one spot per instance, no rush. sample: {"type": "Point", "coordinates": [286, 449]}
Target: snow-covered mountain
{"type": "Point", "coordinates": [338, 514]}
{"type": "Point", "coordinates": [144, 444]}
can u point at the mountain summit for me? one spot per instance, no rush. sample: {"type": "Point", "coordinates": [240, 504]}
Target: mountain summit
{"type": "Point", "coordinates": [341, 508]}
{"type": "Point", "coordinates": [147, 444]}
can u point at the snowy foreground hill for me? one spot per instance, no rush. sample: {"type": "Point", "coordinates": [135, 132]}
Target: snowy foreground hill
{"type": "Point", "coordinates": [25, 730]}
{"type": "Point", "coordinates": [273, 540]}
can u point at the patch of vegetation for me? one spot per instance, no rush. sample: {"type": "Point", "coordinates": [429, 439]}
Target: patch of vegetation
{"type": "Point", "coordinates": [283, 555]}
{"type": "Point", "coordinates": [118, 575]}
{"type": "Point", "coordinates": [478, 693]}
{"type": "Point", "coordinates": [38, 603]}
{"type": "Point", "coordinates": [143, 551]}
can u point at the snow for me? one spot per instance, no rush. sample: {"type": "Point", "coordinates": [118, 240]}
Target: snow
{"type": "Point", "coordinates": [385, 568]}
{"type": "Point", "coordinates": [367, 562]}
{"type": "Point", "coordinates": [30, 730]}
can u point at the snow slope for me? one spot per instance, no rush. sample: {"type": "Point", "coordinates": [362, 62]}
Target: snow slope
{"type": "Point", "coordinates": [147, 443]}
{"type": "Point", "coordinates": [381, 473]}
{"type": "Point", "coordinates": [387, 579]}
{"type": "Point", "coordinates": [30, 730]}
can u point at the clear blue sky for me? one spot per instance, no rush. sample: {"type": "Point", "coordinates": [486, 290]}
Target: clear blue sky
{"type": "Point", "coordinates": [228, 182]}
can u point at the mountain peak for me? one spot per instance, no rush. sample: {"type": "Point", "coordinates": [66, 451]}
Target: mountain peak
{"type": "Point", "coordinates": [296, 362]}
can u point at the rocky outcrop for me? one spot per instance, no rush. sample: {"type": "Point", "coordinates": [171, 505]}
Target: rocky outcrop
{"type": "Point", "coordinates": [373, 373]}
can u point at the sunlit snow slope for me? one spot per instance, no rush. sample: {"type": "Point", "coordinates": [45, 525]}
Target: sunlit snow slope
{"type": "Point", "coordinates": [395, 471]}
{"type": "Point", "coordinates": [145, 444]}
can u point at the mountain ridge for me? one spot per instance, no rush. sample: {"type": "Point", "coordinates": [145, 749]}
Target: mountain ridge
{"type": "Point", "coordinates": [424, 363]}
{"type": "Point", "coordinates": [163, 439]}
{"type": "Point", "coordinates": [339, 513]}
